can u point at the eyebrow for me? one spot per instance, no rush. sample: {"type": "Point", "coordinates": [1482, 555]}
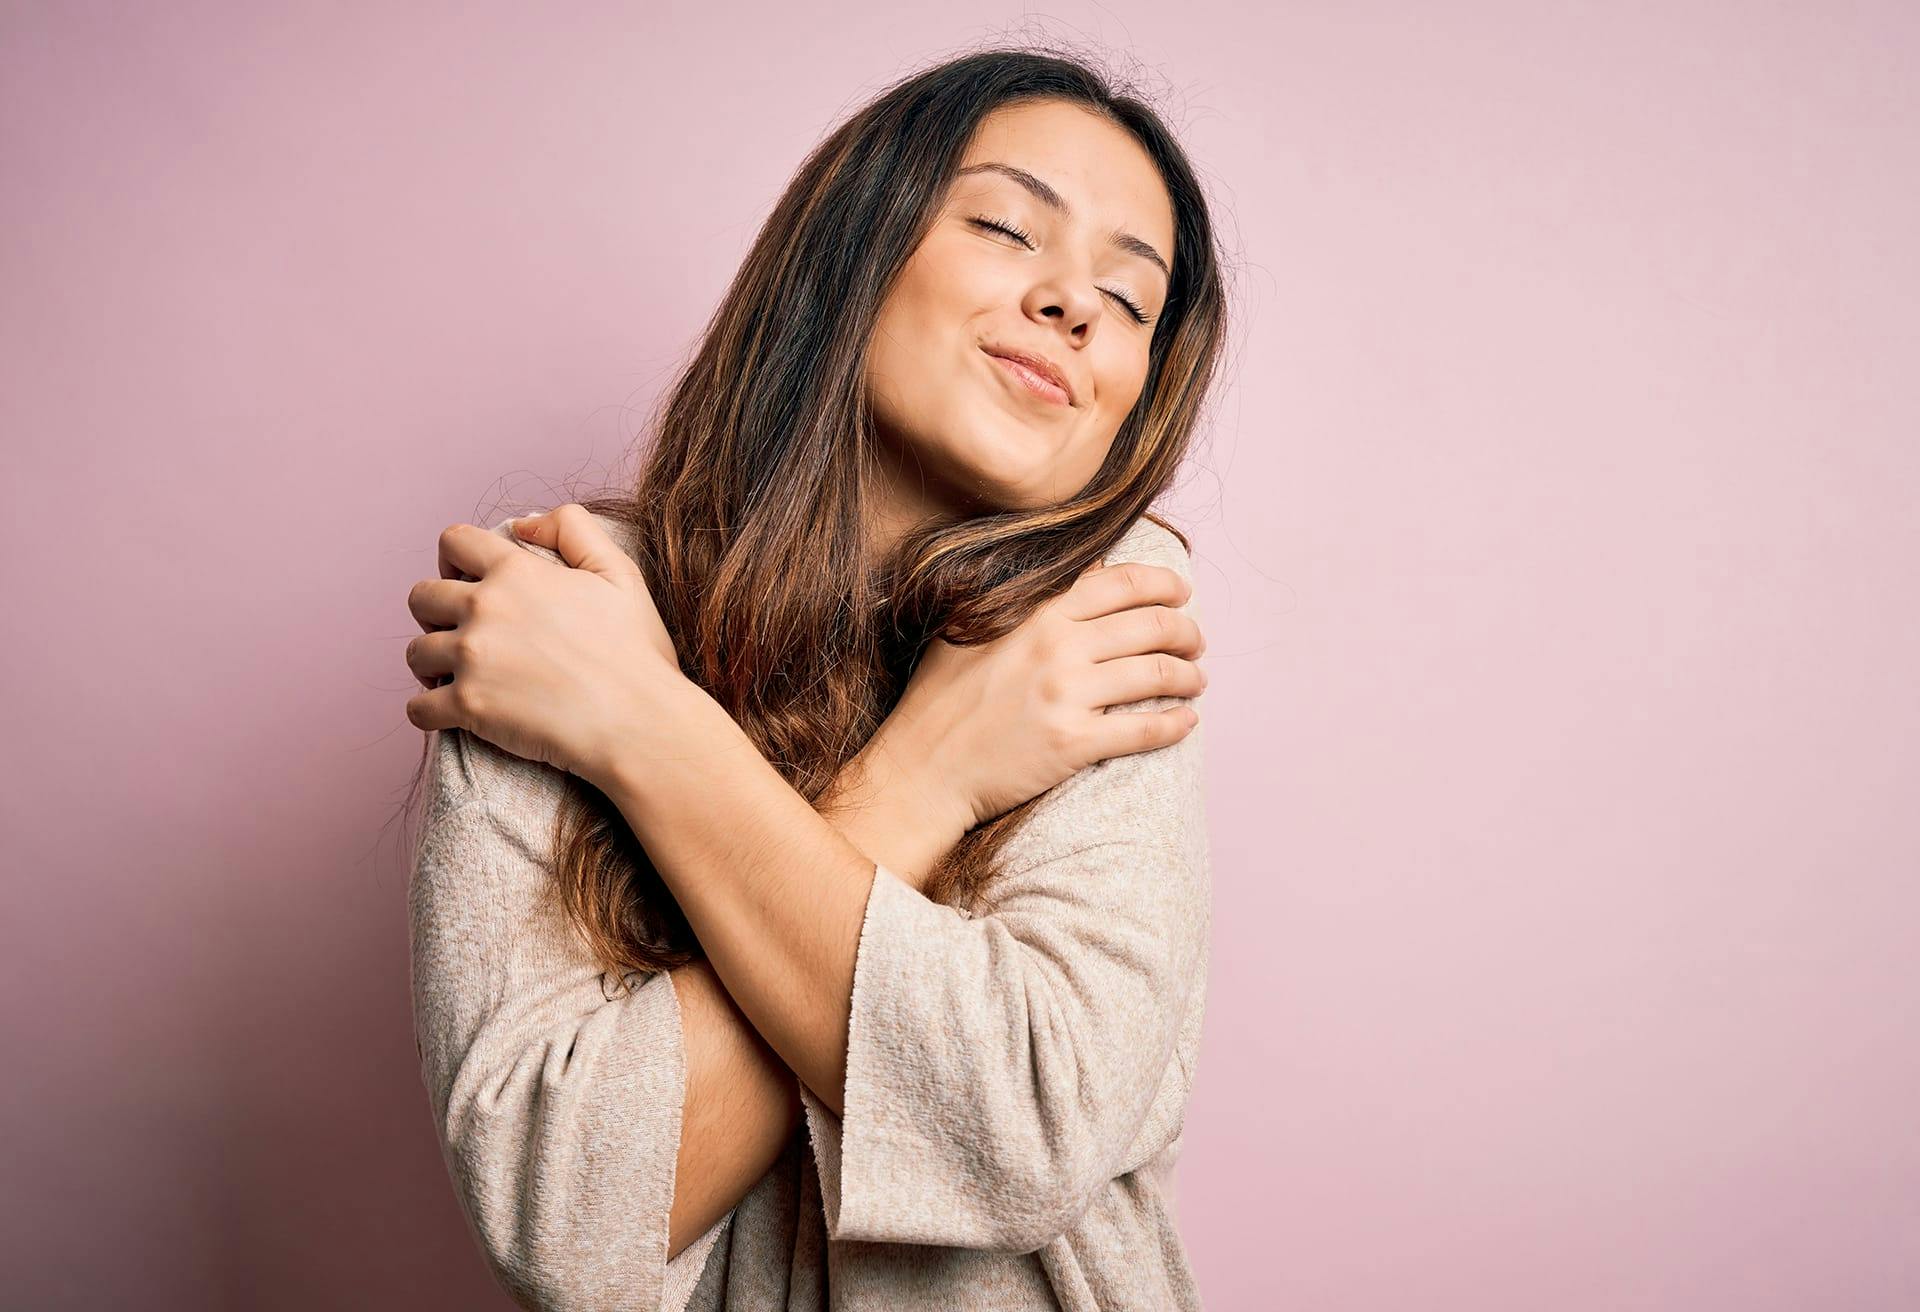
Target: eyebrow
{"type": "Point", "coordinates": [1053, 200]}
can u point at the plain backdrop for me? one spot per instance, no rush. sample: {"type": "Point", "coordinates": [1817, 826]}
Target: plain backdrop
{"type": "Point", "coordinates": [1555, 530]}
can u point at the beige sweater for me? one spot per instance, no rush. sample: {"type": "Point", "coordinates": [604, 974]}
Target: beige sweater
{"type": "Point", "coordinates": [1017, 1070]}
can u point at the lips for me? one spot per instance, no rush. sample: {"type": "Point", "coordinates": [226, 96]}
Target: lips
{"type": "Point", "coordinates": [1038, 365]}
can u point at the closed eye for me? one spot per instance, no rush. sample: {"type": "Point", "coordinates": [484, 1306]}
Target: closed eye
{"type": "Point", "coordinates": [1134, 308]}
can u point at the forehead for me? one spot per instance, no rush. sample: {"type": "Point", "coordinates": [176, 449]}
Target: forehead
{"type": "Point", "coordinates": [1098, 167]}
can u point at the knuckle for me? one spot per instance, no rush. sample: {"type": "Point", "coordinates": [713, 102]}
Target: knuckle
{"type": "Point", "coordinates": [466, 701]}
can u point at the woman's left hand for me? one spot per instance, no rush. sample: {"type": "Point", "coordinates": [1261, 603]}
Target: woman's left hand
{"type": "Point", "coordinates": [549, 662]}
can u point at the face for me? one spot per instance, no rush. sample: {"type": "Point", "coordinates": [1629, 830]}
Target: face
{"type": "Point", "coordinates": [1054, 242]}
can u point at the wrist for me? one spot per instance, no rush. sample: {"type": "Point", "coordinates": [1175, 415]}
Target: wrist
{"type": "Point", "coordinates": [894, 803]}
{"type": "Point", "coordinates": [676, 729]}
{"type": "Point", "coordinates": [916, 773]}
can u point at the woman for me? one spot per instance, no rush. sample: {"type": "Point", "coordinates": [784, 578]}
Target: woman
{"type": "Point", "coordinates": [791, 926]}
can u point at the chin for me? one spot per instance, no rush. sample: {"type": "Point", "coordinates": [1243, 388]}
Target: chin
{"type": "Point", "coordinates": [1005, 461]}
{"type": "Point", "coordinates": [994, 490]}
{"type": "Point", "coordinates": [1000, 498]}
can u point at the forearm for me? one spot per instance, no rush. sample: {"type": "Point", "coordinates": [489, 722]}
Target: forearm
{"type": "Point", "coordinates": [775, 893]}
{"type": "Point", "coordinates": [889, 802]}
{"type": "Point", "coordinates": [742, 1102]}
{"type": "Point", "coordinates": [741, 1106]}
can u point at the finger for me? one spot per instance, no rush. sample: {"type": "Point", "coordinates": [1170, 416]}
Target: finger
{"type": "Point", "coordinates": [1122, 733]}
{"type": "Point", "coordinates": [582, 543]}
{"type": "Point", "coordinates": [1135, 678]}
{"type": "Point", "coordinates": [1130, 583]}
{"type": "Point", "coordinates": [440, 603]}
{"type": "Point", "coordinates": [433, 710]}
{"type": "Point", "coordinates": [431, 656]}
{"type": "Point", "coordinates": [1143, 628]}
{"type": "Point", "coordinates": [468, 551]}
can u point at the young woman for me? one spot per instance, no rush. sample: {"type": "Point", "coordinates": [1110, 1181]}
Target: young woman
{"type": "Point", "coordinates": [792, 923]}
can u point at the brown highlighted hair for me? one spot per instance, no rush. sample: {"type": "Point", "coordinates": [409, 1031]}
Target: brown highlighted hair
{"type": "Point", "coordinates": [748, 518]}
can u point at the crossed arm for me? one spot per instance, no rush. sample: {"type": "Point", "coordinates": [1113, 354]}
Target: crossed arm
{"type": "Point", "coordinates": [528, 1059]}
{"type": "Point", "coordinates": [1057, 1007]}
{"type": "Point", "coordinates": [742, 1100]}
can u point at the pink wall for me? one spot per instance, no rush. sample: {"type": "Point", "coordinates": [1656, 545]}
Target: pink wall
{"type": "Point", "coordinates": [1557, 542]}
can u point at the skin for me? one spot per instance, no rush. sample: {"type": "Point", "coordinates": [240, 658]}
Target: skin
{"type": "Point", "coordinates": [573, 667]}
{"type": "Point", "coordinates": [954, 434]}
{"type": "Point", "coordinates": [952, 437]}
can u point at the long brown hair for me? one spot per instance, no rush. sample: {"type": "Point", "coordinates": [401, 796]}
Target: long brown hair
{"type": "Point", "coordinates": [754, 495]}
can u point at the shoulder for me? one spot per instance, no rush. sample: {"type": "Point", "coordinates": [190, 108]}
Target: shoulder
{"type": "Point", "coordinates": [467, 769]}
{"type": "Point", "coordinates": [1145, 800]}
{"type": "Point", "coordinates": [1152, 544]}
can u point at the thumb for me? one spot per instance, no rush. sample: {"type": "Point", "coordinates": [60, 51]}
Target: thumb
{"type": "Point", "coordinates": [576, 535]}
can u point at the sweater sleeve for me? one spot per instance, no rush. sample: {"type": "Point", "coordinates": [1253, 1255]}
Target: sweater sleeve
{"type": "Point", "coordinates": [1004, 1066]}
{"type": "Point", "coordinates": [557, 1098]}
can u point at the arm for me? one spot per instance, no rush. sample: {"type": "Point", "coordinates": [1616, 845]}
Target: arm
{"type": "Point", "coordinates": [527, 1061]}
{"type": "Point", "coordinates": [550, 1096]}
{"type": "Point", "coordinates": [557, 1106]}
{"type": "Point", "coordinates": [742, 1101]}
{"type": "Point", "coordinates": [992, 1072]}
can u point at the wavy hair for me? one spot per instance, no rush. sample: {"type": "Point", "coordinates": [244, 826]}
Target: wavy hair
{"type": "Point", "coordinates": [754, 495]}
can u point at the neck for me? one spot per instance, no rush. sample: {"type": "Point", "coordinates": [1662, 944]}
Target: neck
{"type": "Point", "coordinates": [902, 495]}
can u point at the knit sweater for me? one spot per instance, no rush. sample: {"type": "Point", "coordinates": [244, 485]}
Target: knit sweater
{"type": "Point", "coordinates": [1017, 1068]}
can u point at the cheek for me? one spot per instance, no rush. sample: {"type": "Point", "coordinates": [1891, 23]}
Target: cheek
{"type": "Point", "coordinates": [894, 366]}
{"type": "Point", "coordinates": [1119, 389]}
{"type": "Point", "coordinates": [931, 290]}
{"type": "Point", "coordinates": [915, 326]}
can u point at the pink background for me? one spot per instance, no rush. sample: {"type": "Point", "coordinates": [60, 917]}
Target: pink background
{"type": "Point", "coordinates": [1557, 544]}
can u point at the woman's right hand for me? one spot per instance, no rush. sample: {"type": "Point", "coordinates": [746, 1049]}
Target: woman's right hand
{"type": "Point", "coordinates": [1007, 720]}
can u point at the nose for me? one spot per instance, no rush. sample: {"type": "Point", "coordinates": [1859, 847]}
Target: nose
{"type": "Point", "coordinates": [1068, 305]}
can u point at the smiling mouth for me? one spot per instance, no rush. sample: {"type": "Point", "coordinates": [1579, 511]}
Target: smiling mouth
{"type": "Point", "coordinates": [1029, 382]}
